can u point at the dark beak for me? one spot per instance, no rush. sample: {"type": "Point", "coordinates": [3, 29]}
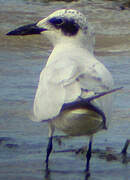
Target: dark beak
{"type": "Point", "coordinates": [26, 30]}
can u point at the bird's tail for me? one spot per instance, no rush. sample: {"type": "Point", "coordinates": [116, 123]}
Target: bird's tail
{"type": "Point", "coordinates": [103, 94]}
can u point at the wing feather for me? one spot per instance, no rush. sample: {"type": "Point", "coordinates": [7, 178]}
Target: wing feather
{"type": "Point", "coordinates": [63, 82]}
{"type": "Point", "coordinates": [54, 84]}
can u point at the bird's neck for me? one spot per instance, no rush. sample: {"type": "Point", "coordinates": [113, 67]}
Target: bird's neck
{"type": "Point", "coordinates": [70, 43]}
{"type": "Point", "coordinates": [68, 50]}
{"type": "Point", "coordinates": [80, 42]}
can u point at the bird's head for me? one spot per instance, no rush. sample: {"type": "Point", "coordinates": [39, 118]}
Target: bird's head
{"type": "Point", "coordinates": [59, 25]}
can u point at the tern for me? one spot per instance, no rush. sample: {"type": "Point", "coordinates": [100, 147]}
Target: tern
{"type": "Point", "coordinates": [75, 90]}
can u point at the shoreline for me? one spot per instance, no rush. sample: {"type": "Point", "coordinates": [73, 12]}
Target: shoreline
{"type": "Point", "coordinates": [104, 44]}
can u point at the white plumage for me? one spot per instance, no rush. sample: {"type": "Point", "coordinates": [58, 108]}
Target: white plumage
{"type": "Point", "coordinates": [71, 76]}
{"type": "Point", "coordinates": [70, 70]}
{"type": "Point", "coordinates": [74, 90]}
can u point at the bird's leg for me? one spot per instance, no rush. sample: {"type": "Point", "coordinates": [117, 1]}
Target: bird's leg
{"type": "Point", "coordinates": [50, 144]}
{"type": "Point", "coordinates": [49, 150]}
{"type": "Point", "coordinates": [88, 156]}
{"type": "Point", "coordinates": [124, 150]}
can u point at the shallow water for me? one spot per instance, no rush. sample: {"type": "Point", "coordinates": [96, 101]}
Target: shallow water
{"type": "Point", "coordinates": [23, 142]}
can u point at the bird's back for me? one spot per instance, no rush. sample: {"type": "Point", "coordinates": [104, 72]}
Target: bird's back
{"type": "Point", "coordinates": [70, 74]}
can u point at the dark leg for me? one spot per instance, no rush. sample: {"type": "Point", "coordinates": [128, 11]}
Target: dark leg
{"type": "Point", "coordinates": [50, 145]}
{"type": "Point", "coordinates": [49, 150]}
{"type": "Point", "coordinates": [88, 156]}
{"type": "Point", "coordinates": [124, 150]}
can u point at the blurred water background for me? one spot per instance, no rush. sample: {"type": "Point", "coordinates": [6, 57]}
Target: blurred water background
{"type": "Point", "coordinates": [23, 142]}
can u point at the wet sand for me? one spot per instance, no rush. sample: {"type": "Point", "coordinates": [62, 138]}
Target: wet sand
{"type": "Point", "coordinates": [111, 25]}
{"type": "Point", "coordinates": [105, 44]}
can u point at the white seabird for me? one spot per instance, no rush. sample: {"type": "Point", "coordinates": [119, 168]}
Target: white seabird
{"type": "Point", "coordinates": [74, 90]}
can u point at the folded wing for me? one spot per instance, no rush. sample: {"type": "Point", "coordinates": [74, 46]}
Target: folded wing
{"type": "Point", "coordinates": [65, 81]}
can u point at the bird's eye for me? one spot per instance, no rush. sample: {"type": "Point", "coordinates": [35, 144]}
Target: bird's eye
{"type": "Point", "coordinates": [56, 21]}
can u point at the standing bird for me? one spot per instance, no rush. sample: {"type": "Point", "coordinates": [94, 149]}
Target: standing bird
{"type": "Point", "coordinates": [74, 90]}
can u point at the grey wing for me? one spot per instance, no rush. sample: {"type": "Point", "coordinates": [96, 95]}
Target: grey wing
{"type": "Point", "coordinates": [56, 83]}
{"type": "Point", "coordinates": [99, 80]}
{"type": "Point", "coordinates": [64, 83]}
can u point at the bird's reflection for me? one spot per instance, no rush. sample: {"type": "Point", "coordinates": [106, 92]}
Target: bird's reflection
{"type": "Point", "coordinates": [47, 175]}
{"type": "Point", "coordinates": [48, 172]}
